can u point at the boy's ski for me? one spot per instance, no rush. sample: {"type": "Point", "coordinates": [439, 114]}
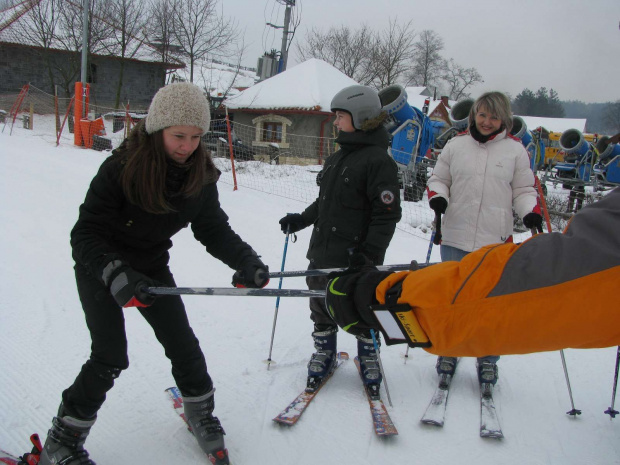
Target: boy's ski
{"type": "Point", "coordinates": [489, 423]}
{"type": "Point", "coordinates": [435, 413]}
{"type": "Point", "coordinates": [380, 417]}
{"type": "Point", "coordinates": [291, 414]}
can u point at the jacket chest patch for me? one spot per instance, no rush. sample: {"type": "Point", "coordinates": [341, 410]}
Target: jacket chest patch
{"type": "Point", "coordinates": [387, 197]}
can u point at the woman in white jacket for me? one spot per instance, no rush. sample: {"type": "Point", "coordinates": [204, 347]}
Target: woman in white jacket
{"type": "Point", "coordinates": [480, 176]}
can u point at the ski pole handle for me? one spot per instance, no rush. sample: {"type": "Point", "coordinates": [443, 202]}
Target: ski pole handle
{"type": "Point", "coordinates": [437, 237]}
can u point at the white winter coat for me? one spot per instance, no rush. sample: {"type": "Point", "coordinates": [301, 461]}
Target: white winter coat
{"type": "Point", "coordinates": [482, 182]}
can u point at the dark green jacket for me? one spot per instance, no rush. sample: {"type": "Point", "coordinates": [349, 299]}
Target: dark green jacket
{"type": "Point", "coordinates": [359, 201]}
{"type": "Point", "coordinates": [109, 226]}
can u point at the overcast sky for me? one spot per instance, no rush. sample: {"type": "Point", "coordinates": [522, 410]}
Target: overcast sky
{"type": "Point", "coordinates": [571, 46]}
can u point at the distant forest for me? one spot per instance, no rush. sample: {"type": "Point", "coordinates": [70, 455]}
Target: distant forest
{"type": "Point", "coordinates": [602, 118]}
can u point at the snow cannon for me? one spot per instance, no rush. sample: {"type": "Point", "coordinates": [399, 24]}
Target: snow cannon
{"type": "Point", "coordinates": [394, 103]}
{"type": "Point", "coordinates": [460, 114]}
{"type": "Point", "coordinates": [606, 150]}
{"type": "Point", "coordinates": [412, 131]}
{"type": "Point", "coordinates": [574, 145]}
{"type": "Point", "coordinates": [520, 131]}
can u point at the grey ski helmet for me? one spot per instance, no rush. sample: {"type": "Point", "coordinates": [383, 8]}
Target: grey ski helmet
{"type": "Point", "coordinates": [360, 101]}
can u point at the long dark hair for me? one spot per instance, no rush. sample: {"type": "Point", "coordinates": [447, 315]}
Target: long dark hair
{"type": "Point", "coordinates": [144, 173]}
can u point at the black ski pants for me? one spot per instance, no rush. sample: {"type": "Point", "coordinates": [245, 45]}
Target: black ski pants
{"type": "Point", "coordinates": [106, 323]}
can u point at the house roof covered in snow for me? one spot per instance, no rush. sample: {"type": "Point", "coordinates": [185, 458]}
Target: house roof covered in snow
{"type": "Point", "coordinates": [308, 86]}
{"type": "Point", "coordinates": [554, 124]}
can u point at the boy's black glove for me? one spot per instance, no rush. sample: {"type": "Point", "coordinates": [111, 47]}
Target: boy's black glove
{"type": "Point", "coordinates": [439, 204]}
{"type": "Point", "coordinates": [292, 223]}
{"type": "Point", "coordinates": [127, 286]}
{"type": "Point", "coordinates": [253, 274]}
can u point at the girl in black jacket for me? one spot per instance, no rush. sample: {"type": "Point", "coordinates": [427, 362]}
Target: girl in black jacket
{"type": "Point", "coordinates": [157, 182]}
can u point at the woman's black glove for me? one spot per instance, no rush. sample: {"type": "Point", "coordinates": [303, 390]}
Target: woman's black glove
{"type": "Point", "coordinates": [439, 204]}
{"type": "Point", "coordinates": [253, 274]}
{"type": "Point", "coordinates": [127, 286]}
{"type": "Point", "coordinates": [533, 220]}
{"type": "Point", "coordinates": [292, 223]}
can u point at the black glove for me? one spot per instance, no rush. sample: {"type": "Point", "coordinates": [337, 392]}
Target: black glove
{"type": "Point", "coordinates": [360, 260]}
{"type": "Point", "coordinates": [533, 220]}
{"type": "Point", "coordinates": [253, 274]}
{"type": "Point", "coordinates": [439, 204]}
{"type": "Point", "coordinates": [348, 298]}
{"type": "Point", "coordinates": [127, 286]}
{"type": "Point", "coordinates": [292, 223]}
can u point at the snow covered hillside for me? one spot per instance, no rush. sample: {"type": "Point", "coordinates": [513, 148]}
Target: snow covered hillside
{"type": "Point", "coordinates": [44, 341]}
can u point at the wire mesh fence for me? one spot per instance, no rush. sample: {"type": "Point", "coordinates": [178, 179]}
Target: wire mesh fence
{"type": "Point", "coordinates": [249, 158]}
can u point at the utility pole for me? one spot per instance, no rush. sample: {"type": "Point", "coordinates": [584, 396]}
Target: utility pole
{"type": "Point", "coordinates": [285, 33]}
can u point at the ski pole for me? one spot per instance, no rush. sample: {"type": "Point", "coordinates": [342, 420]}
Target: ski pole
{"type": "Point", "coordinates": [325, 271]}
{"type": "Point", "coordinates": [374, 342]}
{"type": "Point", "coordinates": [436, 227]}
{"type": "Point", "coordinates": [610, 411]}
{"type": "Point", "coordinates": [275, 315]}
{"type": "Point", "coordinates": [573, 412]}
{"type": "Point", "coordinates": [234, 292]}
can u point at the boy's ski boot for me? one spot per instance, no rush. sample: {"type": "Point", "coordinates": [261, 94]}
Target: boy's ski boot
{"type": "Point", "coordinates": [206, 428]}
{"type": "Point", "coordinates": [371, 374]}
{"type": "Point", "coordinates": [322, 362]}
{"type": "Point", "coordinates": [65, 441]}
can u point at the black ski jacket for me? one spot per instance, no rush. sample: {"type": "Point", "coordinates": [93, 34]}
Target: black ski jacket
{"type": "Point", "coordinates": [359, 201]}
{"type": "Point", "coordinates": [110, 227]}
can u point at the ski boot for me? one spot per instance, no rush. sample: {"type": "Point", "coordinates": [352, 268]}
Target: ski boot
{"type": "Point", "coordinates": [446, 366]}
{"type": "Point", "coordinates": [322, 362]}
{"type": "Point", "coordinates": [206, 428]}
{"type": "Point", "coordinates": [369, 364]}
{"type": "Point", "coordinates": [65, 441]}
{"type": "Point", "coordinates": [487, 376]}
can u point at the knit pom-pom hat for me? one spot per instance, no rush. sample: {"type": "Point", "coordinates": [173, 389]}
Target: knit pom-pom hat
{"type": "Point", "coordinates": [178, 104]}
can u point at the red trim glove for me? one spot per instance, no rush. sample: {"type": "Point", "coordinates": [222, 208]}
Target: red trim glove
{"type": "Point", "coordinates": [253, 274]}
{"type": "Point", "coordinates": [127, 286]}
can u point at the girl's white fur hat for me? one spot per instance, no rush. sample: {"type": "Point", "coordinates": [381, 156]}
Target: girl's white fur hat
{"type": "Point", "coordinates": [178, 104]}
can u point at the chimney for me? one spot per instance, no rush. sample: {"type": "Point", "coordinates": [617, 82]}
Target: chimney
{"type": "Point", "coordinates": [444, 100]}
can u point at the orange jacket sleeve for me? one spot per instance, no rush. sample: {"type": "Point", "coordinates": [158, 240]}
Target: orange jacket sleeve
{"type": "Point", "coordinates": [551, 292]}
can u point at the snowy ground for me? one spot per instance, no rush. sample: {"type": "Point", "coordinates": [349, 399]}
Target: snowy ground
{"type": "Point", "coordinates": [44, 341]}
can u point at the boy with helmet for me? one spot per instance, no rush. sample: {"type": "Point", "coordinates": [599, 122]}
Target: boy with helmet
{"type": "Point", "coordinates": [353, 219]}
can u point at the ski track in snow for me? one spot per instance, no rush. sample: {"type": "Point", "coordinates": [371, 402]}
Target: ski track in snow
{"type": "Point", "coordinates": [45, 341]}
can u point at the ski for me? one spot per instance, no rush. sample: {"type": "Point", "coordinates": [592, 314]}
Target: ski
{"type": "Point", "coordinates": [31, 458]}
{"type": "Point", "coordinates": [7, 458]}
{"type": "Point", "coordinates": [380, 417]}
{"type": "Point", "coordinates": [291, 414]}
{"type": "Point", "coordinates": [435, 413]}
{"type": "Point", "coordinates": [489, 423]}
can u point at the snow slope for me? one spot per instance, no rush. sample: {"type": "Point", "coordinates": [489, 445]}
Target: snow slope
{"type": "Point", "coordinates": [44, 341]}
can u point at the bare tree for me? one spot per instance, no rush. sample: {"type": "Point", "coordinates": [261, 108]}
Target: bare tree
{"type": "Point", "coordinates": [127, 36]}
{"type": "Point", "coordinates": [428, 65]}
{"type": "Point", "coordinates": [160, 30]}
{"type": "Point", "coordinates": [347, 50]}
{"type": "Point", "coordinates": [459, 79]}
{"type": "Point", "coordinates": [200, 31]}
{"type": "Point", "coordinates": [392, 55]}
{"type": "Point", "coordinates": [41, 30]}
